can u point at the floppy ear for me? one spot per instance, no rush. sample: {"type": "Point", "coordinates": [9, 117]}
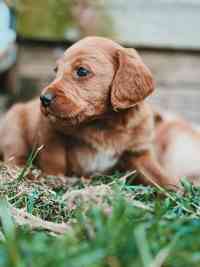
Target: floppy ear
{"type": "Point", "coordinates": [133, 81]}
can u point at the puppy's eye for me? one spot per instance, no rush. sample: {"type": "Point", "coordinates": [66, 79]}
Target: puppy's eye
{"type": "Point", "coordinates": [82, 72]}
{"type": "Point", "coordinates": [55, 69]}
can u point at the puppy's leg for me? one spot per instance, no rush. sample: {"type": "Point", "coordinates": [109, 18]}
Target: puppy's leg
{"type": "Point", "coordinates": [15, 152]}
{"type": "Point", "coordinates": [52, 158]}
{"type": "Point", "coordinates": [150, 171]}
{"type": "Point", "coordinates": [13, 144]}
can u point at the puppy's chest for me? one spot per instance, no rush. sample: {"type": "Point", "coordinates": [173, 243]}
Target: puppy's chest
{"type": "Point", "coordinates": [97, 152]}
{"type": "Point", "coordinates": [87, 161]}
{"type": "Point", "coordinates": [99, 161]}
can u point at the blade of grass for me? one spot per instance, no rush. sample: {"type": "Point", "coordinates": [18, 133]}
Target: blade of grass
{"type": "Point", "coordinates": [6, 219]}
{"type": "Point", "coordinates": [2, 237]}
{"type": "Point", "coordinates": [34, 153]}
{"type": "Point", "coordinates": [142, 245]}
{"type": "Point", "coordinates": [162, 255]}
{"type": "Point", "coordinates": [10, 234]}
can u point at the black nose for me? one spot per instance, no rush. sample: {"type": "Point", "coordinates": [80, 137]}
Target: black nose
{"type": "Point", "coordinates": [46, 99]}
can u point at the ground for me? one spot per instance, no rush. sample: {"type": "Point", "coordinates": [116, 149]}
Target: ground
{"type": "Point", "coordinates": [58, 221]}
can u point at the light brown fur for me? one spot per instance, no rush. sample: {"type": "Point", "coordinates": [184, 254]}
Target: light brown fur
{"type": "Point", "coordinates": [95, 123]}
{"type": "Point", "coordinates": [177, 145]}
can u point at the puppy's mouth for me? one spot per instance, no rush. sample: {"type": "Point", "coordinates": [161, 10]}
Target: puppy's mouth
{"type": "Point", "coordinates": [72, 119]}
{"type": "Point", "coordinates": [54, 117]}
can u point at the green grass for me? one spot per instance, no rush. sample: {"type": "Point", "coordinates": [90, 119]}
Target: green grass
{"type": "Point", "coordinates": [111, 223]}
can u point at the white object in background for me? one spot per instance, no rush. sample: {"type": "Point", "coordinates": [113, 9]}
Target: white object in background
{"type": "Point", "coordinates": [4, 16]}
{"type": "Point", "coordinates": [7, 39]}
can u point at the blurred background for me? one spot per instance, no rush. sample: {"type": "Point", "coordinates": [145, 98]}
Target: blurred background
{"type": "Point", "coordinates": [34, 33]}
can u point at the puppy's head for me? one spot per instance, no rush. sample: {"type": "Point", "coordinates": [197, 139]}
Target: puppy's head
{"type": "Point", "coordinates": [95, 76]}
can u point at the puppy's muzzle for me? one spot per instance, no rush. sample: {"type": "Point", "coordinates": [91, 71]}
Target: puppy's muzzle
{"type": "Point", "coordinates": [46, 99]}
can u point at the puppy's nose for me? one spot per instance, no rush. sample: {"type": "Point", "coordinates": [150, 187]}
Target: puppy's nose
{"type": "Point", "coordinates": [46, 99]}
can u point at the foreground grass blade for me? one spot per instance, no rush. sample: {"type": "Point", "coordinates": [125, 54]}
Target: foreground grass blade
{"type": "Point", "coordinates": [142, 245]}
{"type": "Point", "coordinates": [10, 234]}
{"type": "Point", "coordinates": [34, 153]}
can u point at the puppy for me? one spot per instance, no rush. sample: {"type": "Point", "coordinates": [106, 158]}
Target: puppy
{"type": "Point", "coordinates": [91, 118]}
{"type": "Point", "coordinates": [177, 145]}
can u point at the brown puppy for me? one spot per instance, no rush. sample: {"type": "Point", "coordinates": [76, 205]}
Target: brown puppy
{"type": "Point", "coordinates": [92, 117]}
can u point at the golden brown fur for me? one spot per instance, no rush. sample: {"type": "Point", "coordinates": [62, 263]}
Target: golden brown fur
{"type": "Point", "coordinates": [94, 123]}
